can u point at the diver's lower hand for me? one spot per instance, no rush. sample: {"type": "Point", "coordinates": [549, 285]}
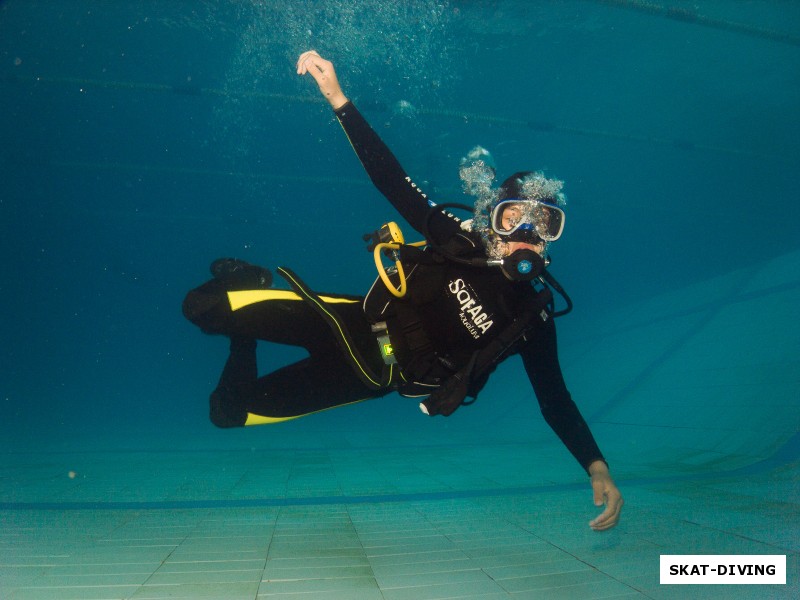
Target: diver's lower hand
{"type": "Point", "coordinates": [324, 74]}
{"type": "Point", "coordinates": [605, 492]}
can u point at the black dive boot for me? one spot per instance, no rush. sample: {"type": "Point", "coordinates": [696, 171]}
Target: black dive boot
{"type": "Point", "coordinates": [241, 273]}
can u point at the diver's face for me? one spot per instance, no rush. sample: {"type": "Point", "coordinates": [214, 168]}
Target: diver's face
{"type": "Point", "coordinates": [512, 215]}
{"type": "Point", "coordinates": [511, 218]}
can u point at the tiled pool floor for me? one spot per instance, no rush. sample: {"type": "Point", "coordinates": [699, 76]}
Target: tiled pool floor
{"type": "Point", "coordinates": [373, 524]}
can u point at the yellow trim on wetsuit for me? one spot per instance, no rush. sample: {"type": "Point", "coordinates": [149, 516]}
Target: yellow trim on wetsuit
{"type": "Point", "coordinates": [240, 299]}
{"type": "Point", "coordinates": [254, 419]}
{"type": "Point", "coordinates": [335, 320]}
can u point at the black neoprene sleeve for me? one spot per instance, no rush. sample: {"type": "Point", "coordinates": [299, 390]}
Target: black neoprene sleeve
{"type": "Point", "coordinates": [389, 177]}
{"type": "Point", "coordinates": [540, 357]}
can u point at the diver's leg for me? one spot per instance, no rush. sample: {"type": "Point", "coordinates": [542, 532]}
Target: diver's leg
{"type": "Point", "coordinates": [228, 400]}
{"type": "Point", "coordinates": [208, 307]}
{"type": "Point", "coordinates": [296, 390]}
{"type": "Point", "coordinates": [326, 379]}
{"type": "Point", "coordinates": [279, 316]}
{"type": "Point", "coordinates": [306, 387]}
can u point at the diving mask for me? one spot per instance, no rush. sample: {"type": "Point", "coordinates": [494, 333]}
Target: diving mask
{"type": "Point", "coordinates": [522, 220]}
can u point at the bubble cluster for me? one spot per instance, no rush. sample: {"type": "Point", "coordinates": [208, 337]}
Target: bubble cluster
{"type": "Point", "coordinates": [390, 54]}
{"type": "Point", "coordinates": [388, 47]}
{"type": "Point", "coordinates": [538, 187]}
{"type": "Point", "coordinates": [477, 172]}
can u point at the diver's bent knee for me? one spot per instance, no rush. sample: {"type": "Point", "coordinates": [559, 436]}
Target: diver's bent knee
{"type": "Point", "coordinates": [197, 304]}
{"type": "Point", "coordinates": [225, 416]}
{"type": "Point", "coordinates": [224, 420]}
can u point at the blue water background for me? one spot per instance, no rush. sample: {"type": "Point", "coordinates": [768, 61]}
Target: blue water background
{"type": "Point", "coordinates": [141, 140]}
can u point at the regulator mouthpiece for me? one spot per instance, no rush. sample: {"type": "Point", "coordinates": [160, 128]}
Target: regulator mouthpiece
{"type": "Point", "coordinates": [522, 265]}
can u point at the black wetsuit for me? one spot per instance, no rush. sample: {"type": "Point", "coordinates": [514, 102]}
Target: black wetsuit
{"type": "Point", "coordinates": [455, 311]}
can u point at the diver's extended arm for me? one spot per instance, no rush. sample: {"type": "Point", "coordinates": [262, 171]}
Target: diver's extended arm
{"type": "Point", "coordinates": [381, 165]}
{"type": "Point", "coordinates": [540, 358]}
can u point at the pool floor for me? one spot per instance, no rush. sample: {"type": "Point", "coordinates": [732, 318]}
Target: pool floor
{"type": "Point", "coordinates": [380, 523]}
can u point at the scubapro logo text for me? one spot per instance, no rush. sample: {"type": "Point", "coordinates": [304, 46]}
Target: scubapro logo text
{"type": "Point", "coordinates": [473, 317]}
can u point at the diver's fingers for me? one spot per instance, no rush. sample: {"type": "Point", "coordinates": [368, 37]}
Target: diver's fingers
{"type": "Point", "coordinates": [305, 59]}
{"type": "Point", "coordinates": [325, 75]}
{"type": "Point", "coordinates": [301, 62]}
{"type": "Point", "coordinates": [321, 70]}
{"type": "Point", "coordinates": [610, 516]}
{"type": "Point", "coordinates": [606, 520]}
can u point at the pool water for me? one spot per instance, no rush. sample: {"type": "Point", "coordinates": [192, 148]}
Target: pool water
{"type": "Point", "coordinates": [142, 140]}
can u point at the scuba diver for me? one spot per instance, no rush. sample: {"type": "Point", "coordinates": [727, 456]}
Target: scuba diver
{"type": "Point", "coordinates": [433, 326]}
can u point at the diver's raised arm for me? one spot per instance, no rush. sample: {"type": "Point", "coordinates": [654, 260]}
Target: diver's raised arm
{"type": "Point", "coordinates": [378, 160]}
{"type": "Point", "coordinates": [325, 75]}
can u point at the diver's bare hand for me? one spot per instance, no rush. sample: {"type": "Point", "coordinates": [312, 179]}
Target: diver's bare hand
{"type": "Point", "coordinates": [605, 492]}
{"type": "Point", "coordinates": [325, 75]}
